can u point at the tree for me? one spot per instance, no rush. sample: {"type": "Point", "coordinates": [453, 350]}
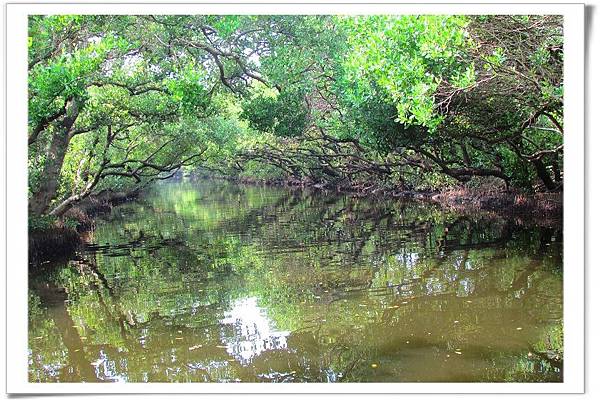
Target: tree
{"type": "Point", "coordinates": [395, 101]}
{"type": "Point", "coordinates": [121, 103]}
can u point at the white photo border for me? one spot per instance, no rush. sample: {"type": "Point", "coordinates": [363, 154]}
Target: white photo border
{"type": "Point", "coordinates": [16, 15]}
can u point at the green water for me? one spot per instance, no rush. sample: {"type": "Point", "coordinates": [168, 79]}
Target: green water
{"type": "Point", "coordinates": [215, 282]}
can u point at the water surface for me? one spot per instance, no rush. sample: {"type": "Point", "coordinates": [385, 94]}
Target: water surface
{"type": "Point", "coordinates": [216, 282]}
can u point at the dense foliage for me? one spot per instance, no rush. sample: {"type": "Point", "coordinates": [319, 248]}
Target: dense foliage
{"type": "Point", "coordinates": [399, 102]}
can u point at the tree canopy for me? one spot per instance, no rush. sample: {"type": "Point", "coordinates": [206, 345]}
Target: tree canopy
{"type": "Point", "coordinates": [409, 102]}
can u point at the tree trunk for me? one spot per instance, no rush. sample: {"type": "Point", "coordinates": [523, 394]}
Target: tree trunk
{"type": "Point", "coordinates": [53, 298]}
{"type": "Point", "coordinates": [41, 199]}
{"type": "Point", "coordinates": [67, 204]}
{"type": "Point", "coordinates": [543, 174]}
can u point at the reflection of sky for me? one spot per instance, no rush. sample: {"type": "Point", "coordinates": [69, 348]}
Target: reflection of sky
{"type": "Point", "coordinates": [465, 287]}
{"type": "Point", "coordinates": [433, 286]}
{"type": "Point", "coordinates": [106, 369]}
{"type": "Point", "coordinates": [409, 260]}
{"type": "Point", "coordinates": [253, 332]}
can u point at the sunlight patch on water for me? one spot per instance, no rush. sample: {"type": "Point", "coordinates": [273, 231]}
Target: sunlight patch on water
{"type": "Point", "coordinates": [253, 332]}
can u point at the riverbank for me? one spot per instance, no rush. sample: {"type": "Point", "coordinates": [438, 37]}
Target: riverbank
{"type": "Point", "coordinates": [538, 205]}
{"type": "Point", "coordinates": [490, 197]}
{"type": "Point", "coordinates": [62, 238]}
{"type": "Point", "coordinates": [55, 239]}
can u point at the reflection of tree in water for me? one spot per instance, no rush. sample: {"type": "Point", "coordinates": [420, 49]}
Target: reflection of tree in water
{"type": "Point", "coordinates": [53, 298]}
{"type": "Point", "coordinates": [269, 285]}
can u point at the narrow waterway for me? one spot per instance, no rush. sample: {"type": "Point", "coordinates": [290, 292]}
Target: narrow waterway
{"type": "Point", "coordinates": [217, 282]}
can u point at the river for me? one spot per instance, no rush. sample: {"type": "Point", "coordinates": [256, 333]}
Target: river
{"type": "Point", "coordinates": [218, 282]}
